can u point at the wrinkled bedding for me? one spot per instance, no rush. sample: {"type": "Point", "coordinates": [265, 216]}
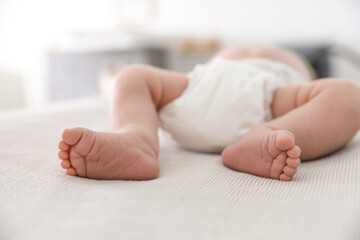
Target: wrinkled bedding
{"type": "Point", "coordinates": [195, 197]}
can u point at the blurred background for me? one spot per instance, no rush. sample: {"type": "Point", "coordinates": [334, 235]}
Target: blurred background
{"type": "Point", "coordinates": [54, 50]}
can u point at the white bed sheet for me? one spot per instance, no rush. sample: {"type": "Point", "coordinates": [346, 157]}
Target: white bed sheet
{"type": "Point", "coordinates": [195, 197]}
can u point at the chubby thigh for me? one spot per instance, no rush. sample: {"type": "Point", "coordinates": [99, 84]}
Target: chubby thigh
{"type": "Point", "coordinates": [288, 98]}
{"type": "Point", "coordinates": [323, 115]}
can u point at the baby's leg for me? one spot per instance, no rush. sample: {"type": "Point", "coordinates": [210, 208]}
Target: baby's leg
{"type": "Point", "coordinates": [319, 117]}
{"type": "Point", "coordinates": [131, 150]}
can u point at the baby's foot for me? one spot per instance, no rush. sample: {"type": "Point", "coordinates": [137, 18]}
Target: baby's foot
{"type": "Point", "coordinates": [264, 152]}
{"type": "Point", "coordinates": [101, 155]}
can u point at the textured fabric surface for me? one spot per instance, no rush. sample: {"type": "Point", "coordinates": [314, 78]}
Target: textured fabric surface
{"type": "Point", "coordinates": [195, 197]}
{"type": "Point", "coordinates": [224, 100]}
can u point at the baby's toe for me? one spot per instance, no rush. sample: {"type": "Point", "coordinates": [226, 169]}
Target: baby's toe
{"type": "Point", "coordinates": [65, 164]}
{"type": "Point", "coordinates": [293, 162]}
{"type": "Point", "coordinates": [63, 146]}
{"type": "Point", "coordinates": [284, 177]}
{"type": "Point", "coordinates": [63, 155]}
{"type": "Point", "coordinates": [278, 165]}
{"type": "Point", "coordinates": [294, 152]}
{"type": "Point", "coordinates": [78, 163]}
{"type": "Point", "coordinates": [71, 171]}
{"type": "Point", "coordinates": [284, 140]}
{"type": "Point", "coordinates": [72, 135]}
{"type": "Point", "coordinates": [289, 171]}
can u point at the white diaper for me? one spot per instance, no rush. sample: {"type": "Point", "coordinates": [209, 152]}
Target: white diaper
{"type": "Point", "coordinates": [224, 100]}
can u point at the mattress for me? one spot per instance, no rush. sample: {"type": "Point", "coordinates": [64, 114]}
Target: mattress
{"type": "Point", "coordinates": [195, 196]}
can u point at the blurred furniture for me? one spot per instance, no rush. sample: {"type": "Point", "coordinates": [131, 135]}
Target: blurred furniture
{"type": "Point", "coordinates": [318, 57]}
{"type": "Point", "coordinates": [11, 90]}
{"type": "Point", "coordinates": [74, 74]}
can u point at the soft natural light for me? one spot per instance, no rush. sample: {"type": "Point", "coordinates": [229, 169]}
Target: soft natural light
{"type": "Point", "coordinates": [29, 30]}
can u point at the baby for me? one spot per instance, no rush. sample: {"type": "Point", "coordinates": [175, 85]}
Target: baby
{"type": "Point", "coordinates": [255, 105]}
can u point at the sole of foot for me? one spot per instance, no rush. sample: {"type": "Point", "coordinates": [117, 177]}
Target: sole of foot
{"type": "Point", "coordinates": [111, 156]}
{"type": "Point", "coordinates": [264, 152]}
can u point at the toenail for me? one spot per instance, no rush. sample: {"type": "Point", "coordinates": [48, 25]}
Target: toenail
{"type": "Point", "coordinates": [63, 146]}
{"type": "Point", "coordinates": [63, 155]}
{"type": "Point", "coordinates": [65, 164]}
{"type": "Point", "coordinates": [293, 162]}
{"type": "Point", "coordinates": [71, 171]}
{"type": "Point", "coordinates": [284, 177]}
{"type": "Point", "coordinates": [289, 170]}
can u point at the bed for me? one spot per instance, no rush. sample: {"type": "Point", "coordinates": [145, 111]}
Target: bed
{"type": "Point", "coordinates": [195, 197]}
